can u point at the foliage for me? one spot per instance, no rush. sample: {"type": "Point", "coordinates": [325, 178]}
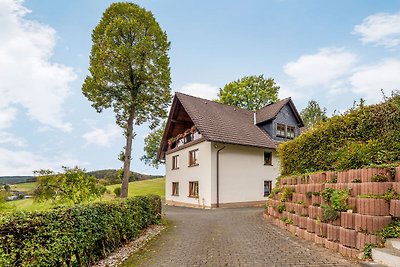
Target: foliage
{"type": "Point", "coordinates": [73, 185]}
{"type": "Point", "coordinates": [327, 193]}
{"type": "Point", "coordinates": [338, 200]}
{"type": "Point", "coordinates": [392, 230]}
{"type": "Point", "coordinates": [356, 180]}
{"type": "Point", "coordinates": [309, 194]}
{"type": "Point", "coordinates": [275, 191]}
{"type": "Point", "coordinates": [287, 193]}
{"type": "Point", "coordinates": [287, 220]}
{"type": "Point", "coordinates": [281, 207]}
{"type": "Point", "coordinates": [313, 114]}
{"type": "Point", "coordinates": [379, 178]}
{"type": "Point", "coordinates": [249, 92]}
{"type": "Point", "coordinates": [117, 191]}
{"type": "Point", "coordinates": [389, 195]}
{"type": "Point", "coordinates": [316, 193]}
{"type": "Point", "coordinates": [76, 236]}
{"type": "Point", "coordinates": [129, 71]}
{"type": "Point", "coordinates": [361, 137]}
{"type": "Point", "coordinates": [329, 213]}
{"type": "Point", "coordinates": [151, 147]}
{"type": "Point", "coordinates": [367, 251]}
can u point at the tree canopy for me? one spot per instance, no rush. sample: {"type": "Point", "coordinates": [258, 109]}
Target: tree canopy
{"type": "Point", "coordinates": [73, 185]}
{"type": "Point", "coordinates": [129, 71]}
{"type": "Point", "coordinates": [151, 146]}
{"type": "Point", "coordinates": [313, 114]}
{"type": "Point", "coordinates": [249, 92]}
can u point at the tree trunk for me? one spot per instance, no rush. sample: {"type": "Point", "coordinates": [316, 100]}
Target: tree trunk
{"type": "Point", "coordinates": [128, 152]}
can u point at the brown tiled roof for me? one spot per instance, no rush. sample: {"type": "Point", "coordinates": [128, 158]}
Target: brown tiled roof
{"type": "Point", "coordinates": [270, 111]}
{"type": "Point", "coordinates": [225, 124]}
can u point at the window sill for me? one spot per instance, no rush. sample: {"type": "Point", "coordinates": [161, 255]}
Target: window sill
{"type": "Point", "coordinates": [268, 164]}
{"type": "Point", "coordinates": [175, 169]}
{"type": "Point", "coordinates": [193, 196]}
{"type": "Point", "coordinates": [174, 195]}
{"type": "Point", "coordinates": [194, 165]}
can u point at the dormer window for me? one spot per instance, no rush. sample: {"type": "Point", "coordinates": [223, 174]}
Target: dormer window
{"type": "Point", "coordinates": [280, 130]}
{"type": "Point", "coordinates": [291, 132]}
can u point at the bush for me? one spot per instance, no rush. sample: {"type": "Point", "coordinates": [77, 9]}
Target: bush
{"type": "Point", "coordinates": [338, 200]}
{"type": "Point", "coordinates": [329, 213]}
{"type": "Point", "coordinates": [392, 230]}
{"type": "Point", "coordinates": [361, 137]}
{"type": "Point", "coordinates": [117, 191]}
{"type": "Point", "coordinates": [76, 236]}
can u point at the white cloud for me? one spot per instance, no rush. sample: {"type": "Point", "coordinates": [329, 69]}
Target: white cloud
{"type": "Point", "coordinates": [369, 80]}
{"type": "Point", "coordinates": [320, 69]}
{"type": "Point", "coordinates": [7, 138]}
{"type": "Point", "coordinates": [7, 115]}
{"type": "Point", "coordinates": [28, 77]}
{"type": "Point", "coordinates": [24, 162]}
{"type": "Point", "coordinates": [381, 29]}
{"type": "Point", "coordinates": [201, 90]}
{"type": "Point", "coordinates": [102, 137]}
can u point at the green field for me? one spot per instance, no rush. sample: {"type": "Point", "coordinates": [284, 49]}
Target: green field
{"type": "Point", "coordinates": [24, 187]}
{"type": "Point", "coordinates": [139, 188]}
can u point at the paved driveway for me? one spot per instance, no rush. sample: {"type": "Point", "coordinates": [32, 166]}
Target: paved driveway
{"type": "Point", "coordinates": [229, 237]}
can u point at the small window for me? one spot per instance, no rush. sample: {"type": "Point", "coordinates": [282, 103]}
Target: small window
{"type": "Point", "coordinates": [267, 158]}
{"type": "Point", "coordinates": [291, 132]}
{"type": "Point", "coordinates": [193, 157]}
{"type": "Point", "coordinates": [267, 188]}
{"type": "Point", "coordinates": [175, 188]}
{"type": "Point", "coordinates": [194, 189]}
{"type": "Point", "coordinates": [280, 130]}
{"type": "Point", "coordinates": [175, 162]}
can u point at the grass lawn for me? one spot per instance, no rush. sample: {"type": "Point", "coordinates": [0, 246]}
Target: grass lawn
{"type": "Point", "coordinates": [140, 188]}
{"type": "Point", "coordinates": [24, 187]}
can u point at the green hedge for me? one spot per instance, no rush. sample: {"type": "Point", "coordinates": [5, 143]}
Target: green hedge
{"type": "Point", "coordinates": [77, 236]}
{"type": "Point", "coordinates": [368, 135]}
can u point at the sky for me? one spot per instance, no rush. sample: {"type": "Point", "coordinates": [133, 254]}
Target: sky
{"type": "Point", "coordinates": [334, 52]}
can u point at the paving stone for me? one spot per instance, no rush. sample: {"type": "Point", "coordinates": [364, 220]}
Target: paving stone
{"type": "Point", "coordinates": [230, 237]}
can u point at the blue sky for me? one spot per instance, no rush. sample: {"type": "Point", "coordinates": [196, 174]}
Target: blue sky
{"type": "Point", "coordinates": [332, 51]}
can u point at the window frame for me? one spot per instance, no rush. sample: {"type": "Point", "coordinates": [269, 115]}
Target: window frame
{"type": "Point", "coordinates": [175, 189]}
{"type": "Point", "coordinates": [193, 188]}
{"type": "Point", "coordinates": [175, 162]}
{"type": "Point", "coordinates": [269, 163]}
{"type": "Point", "coordinates": [279, 131]}
{"type": "Point", "coordinates": [193, 158]}
{"type": "Point", "coordinates": [287, 132]}
{"type": "Point", "coordinates": [269, 183]}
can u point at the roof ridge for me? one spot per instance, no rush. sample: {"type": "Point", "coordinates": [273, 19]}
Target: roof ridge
{"type": "Point", "coordinates": [200, 98]}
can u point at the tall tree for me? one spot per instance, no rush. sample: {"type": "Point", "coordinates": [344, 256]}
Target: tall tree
{"type": "Point", "coordinates": [313, 114]}
{"type": "Point", "coordinates": [151, 146]}
{"type": "Point", "coordinates": [129, 71]}
{"type": "Point", "coordinates": [249, 92]}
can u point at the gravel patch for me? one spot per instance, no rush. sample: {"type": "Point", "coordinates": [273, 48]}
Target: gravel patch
{"type": "Point", "coordinates": [123, 253]}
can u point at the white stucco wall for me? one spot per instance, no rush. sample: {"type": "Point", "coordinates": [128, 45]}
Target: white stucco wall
{"type": "Point", "coordinates": [185, 174]}
{"type": "Point", "coordinates": [242, 173]}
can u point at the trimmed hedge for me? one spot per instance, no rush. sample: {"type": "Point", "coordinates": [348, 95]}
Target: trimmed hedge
{"type": "Point", "coordinates": [361, 137]}
{"type": "Point", "coordinates": [77, 236]}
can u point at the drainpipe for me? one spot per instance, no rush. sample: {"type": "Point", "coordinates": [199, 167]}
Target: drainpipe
{"type": "Point", "coordinates": [219, 150]}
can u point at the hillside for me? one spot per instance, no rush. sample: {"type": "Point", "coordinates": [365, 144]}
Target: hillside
{"type": "Point", "coordinates": [16, 179]}
{"type": "Point", "coordinates": [111, 176]}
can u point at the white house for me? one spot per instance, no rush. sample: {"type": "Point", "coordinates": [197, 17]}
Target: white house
{"type": "Point", "coordinates": [219, 156]}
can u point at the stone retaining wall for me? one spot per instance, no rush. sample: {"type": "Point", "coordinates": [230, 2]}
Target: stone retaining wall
{"type": "Point", "coordinates": [352, 230]}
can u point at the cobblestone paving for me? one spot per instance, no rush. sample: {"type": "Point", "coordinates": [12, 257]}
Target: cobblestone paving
{"type": "Point", "coordinates": [230, 237]}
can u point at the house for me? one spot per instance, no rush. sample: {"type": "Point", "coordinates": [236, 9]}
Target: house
{"type": "Point", "coordinates": [218, 155]}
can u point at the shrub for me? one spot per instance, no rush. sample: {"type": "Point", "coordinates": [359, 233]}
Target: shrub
{"type": "Point", "coordinates": [326, 194]}
{"type": "Point", "coordinates": [338, 200]}
{"type": "Point", "coordinates": [287, 220]}
{"type": "Point", "coordinates": [329, 213]}
{"type": "Point", "coordinates": [117, 191]}
{"type": "Point", "coordinates": [287, 193]}
{"type": "Point", "coordinates": [361, 137]}
{"type": "Point", "coordinates": [391, 231]}
{"type": "Point", "coordinates": [281, 208]}
{"type": "Point", "coordinates": [367, 251]}
{"type": "Point", "coordinates": [76, 236]}
{"type": "Point", "coordinates": [379, 178]}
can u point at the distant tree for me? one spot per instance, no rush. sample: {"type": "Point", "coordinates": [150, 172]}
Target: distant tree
{"type": "Point", "coordinates": [151, 147]}
{"type": "Point", "coordinates": [129, 71]}
{"type": "Point", "coordinates": [250, 92]}
{"type": "Point", "coordinates": [7, 187]}
{"type": "Point", "coordinates": [72, 185]}
{"type": "Point", "coordinates": [313, 114]}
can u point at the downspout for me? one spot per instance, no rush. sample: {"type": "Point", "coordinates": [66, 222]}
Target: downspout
{"type": "Point", "coordinates": [219, 150]}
